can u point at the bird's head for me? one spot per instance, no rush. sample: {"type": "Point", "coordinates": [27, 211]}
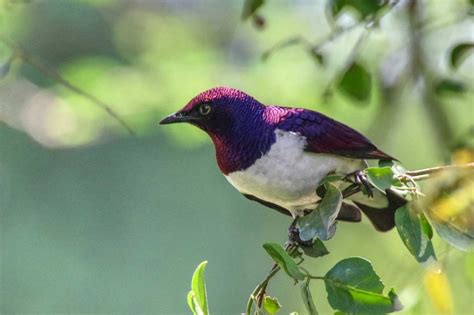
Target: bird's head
{"type": "Point", "coordinates": [217, 111]}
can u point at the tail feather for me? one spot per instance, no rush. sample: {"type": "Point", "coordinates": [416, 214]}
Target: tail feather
{"type": "Point", "coordinates": [349, 213]}
{"type": "Point", "coordinates": [383, 219]}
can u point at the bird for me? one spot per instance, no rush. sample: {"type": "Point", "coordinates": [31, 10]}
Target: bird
{"type": "Point", "coordinates": [278, 155]}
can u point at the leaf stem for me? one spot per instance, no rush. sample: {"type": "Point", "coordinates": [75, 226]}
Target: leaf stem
{"type": "Point", "coordinates": [258, 288]}
{"type": "Point", "coordinates": [310, 276]}
{"type": "Point", "coordinates": [316, 277]}
{"type": "Point", "coordinates": [259, 292]}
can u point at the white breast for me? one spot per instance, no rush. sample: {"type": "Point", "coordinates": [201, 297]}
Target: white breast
{"type": "Point", "coordinates": [287, 175]}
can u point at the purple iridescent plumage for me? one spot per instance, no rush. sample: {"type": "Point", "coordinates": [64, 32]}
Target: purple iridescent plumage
{"type": "Point", "coordinates": [243, 129]}
{"type": "Point", "coordinates": [326, 135]}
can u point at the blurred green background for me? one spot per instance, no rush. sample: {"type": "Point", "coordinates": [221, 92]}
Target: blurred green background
{"type": "Point", "coordinates": [93, 220]}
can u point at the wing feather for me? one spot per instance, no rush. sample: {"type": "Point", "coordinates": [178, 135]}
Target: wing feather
{"type": "Point", "coordinates": [325, 135]}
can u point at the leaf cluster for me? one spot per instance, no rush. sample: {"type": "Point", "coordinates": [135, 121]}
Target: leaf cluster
{"type": "Point", "coordinates": [356, 79]}
{"type": "Point", "coordinates": [352, 285]}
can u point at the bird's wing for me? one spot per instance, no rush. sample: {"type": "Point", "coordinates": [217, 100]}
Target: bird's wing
{"type": "Point", "coordinates": [268, 204]}
{"type": "Point", "coordinates": [325, 135]}
{"type": "Point", "coordinates": [348, 212]}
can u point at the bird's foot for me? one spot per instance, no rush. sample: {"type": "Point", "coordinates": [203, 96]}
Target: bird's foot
{"type": "Point", "coordinates": [361, 179]}
{"type": "Point", "coordinates": [294, 236]}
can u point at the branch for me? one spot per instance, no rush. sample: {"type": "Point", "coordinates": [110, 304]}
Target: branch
{"type": "Point", "coordinates": [259, 292]}
{"type": "Point", "coordinates": [261, 287]}
{"type": "Point", "coordinates": [53, 74]}
{"type": "Point", "coordinates": [331, 36]}
{"type": "Point", "coordinates": [298, 39]}
{"type": "Point", "coordinates": [349, 61]}
{"type": "Point", "coordinates": [368, 25]}
{"type": "Point", "coordinates": [407, 178]}
{"type": "Point", "coordinates": [437, 169]}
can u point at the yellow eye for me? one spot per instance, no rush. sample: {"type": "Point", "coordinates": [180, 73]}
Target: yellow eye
{"type": "Point", "coordinates": [205, 109]}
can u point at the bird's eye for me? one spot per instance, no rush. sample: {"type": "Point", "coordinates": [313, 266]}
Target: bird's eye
{"type": "Point", "coordinates": [205, 109]}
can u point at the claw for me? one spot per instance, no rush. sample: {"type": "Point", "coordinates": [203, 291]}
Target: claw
{"type": "Point", "coordinates": [361, 179]}
{"type": "Point", "coordinates": [294, 236]}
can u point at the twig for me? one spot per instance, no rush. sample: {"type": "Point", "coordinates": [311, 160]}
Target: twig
{"type": "Point", "coordinates": [336, 32]}
{"type": "Point", "coordinates": [293, 40]}
{"type": "Point", "coordinates": [260, 296]}
{"type": "Point", "coordinates": [257, 289]}
{"type": "Point", "coordinates": [298, 39]}
{"type": "Point", "coordinates": [53, 74]}
{"type": "Point", "coordinates": [437, 169]}
{"type": "Point", "coordinates": [331, 36]}
{"type": "Point", "coordinates": [412, 176]}
{"type": "Point", "coordinates": [349, 61]}
{"type": "Point", "coordinates": [259, 292]}
{"type": "Point", "coordinates": [368, 24]}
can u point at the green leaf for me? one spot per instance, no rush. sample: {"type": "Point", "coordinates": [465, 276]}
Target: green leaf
{"type": "Point", "coordinates": [426, 226]}
{"type": "Point", "coordinates": [363, 8]}
{"type": "Point", "coordinates": [385, 163]}
{"type": "Point", "coordinates": [321, 222]}
{"type": "Point", "coordinates": [193, 304]}
{"type": "Point", "coordinates": [271, 305]}
{"type": "Point", "coordinates": [308, 299]}
{"type": "Point", "coordinates": [198, 288]}
{"type": "Point", "coordinates": [281, 257]}
{"type": "Point", "coordinates": [250, 7]}
{"type": "Point", "coordinates": [454, 234]}
{"type": "Point", "coordinates": [415, 234]}
{"type": "Point", "coordinates": [381, 178]}
{"type": "Point", "coordinates": [316, 250]}
{"type": "Point", "coordinates": [449, 86]}
{"type": "Point", "coordinates": [354, 287]}
{"type": "Point", "coordinates": [459, 53]}
{"type": "Point", "coordinates": [356, 82]}
{"type": "Point", "coordinates": [331, 178]}
{"type": "Point", "coordinates": [451, 212]}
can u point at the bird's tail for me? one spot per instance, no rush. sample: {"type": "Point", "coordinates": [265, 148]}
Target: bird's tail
{"type": "Point", "coordinates": [383, 219]}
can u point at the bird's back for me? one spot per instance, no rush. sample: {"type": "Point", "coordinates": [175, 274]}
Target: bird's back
{"type": "Point", "coordinates": [324, 134]}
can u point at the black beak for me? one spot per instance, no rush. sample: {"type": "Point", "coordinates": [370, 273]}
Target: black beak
{"type": "Point", "coordinates": [176, 118]}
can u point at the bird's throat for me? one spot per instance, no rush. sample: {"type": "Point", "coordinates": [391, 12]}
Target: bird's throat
{"type": "Point", "coordinates": [239, 150]}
